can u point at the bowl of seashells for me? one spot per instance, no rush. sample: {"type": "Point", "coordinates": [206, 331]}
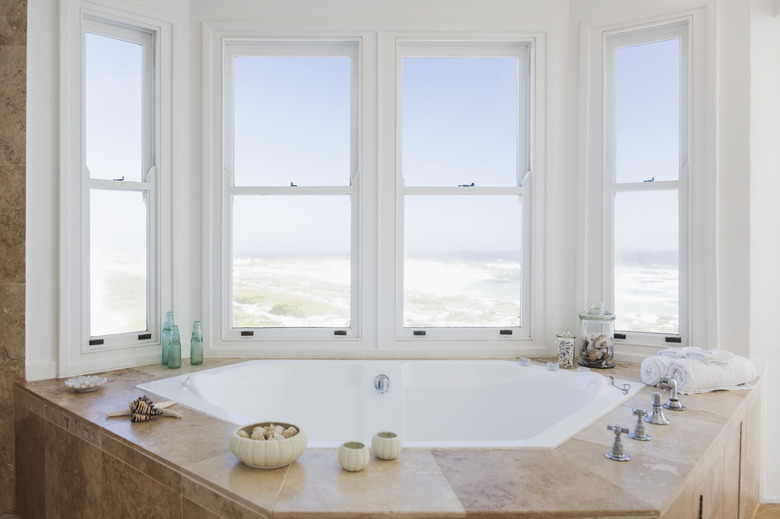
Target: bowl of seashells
{"type": "Point", "coordinates": [268, 445]}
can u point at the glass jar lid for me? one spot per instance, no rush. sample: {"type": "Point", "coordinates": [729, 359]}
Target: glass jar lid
{"type": "Point", "coordinates": [597, 312]}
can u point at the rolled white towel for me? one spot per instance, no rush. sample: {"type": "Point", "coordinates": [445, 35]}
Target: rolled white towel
{"type": "Point", "coordinates": [711, 355]}
{"type": "Point", "coordinates": [695, 376]}
{"type": "Point", "coordinates": [653, 368]}
{"type": "Point", "coordinates": [678, 352]}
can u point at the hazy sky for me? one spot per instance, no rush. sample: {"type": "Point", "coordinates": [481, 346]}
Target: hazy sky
{"type": "Point", "coordinates": [647, 127]}
{"type": "Point", "coordinates": [459, 126]}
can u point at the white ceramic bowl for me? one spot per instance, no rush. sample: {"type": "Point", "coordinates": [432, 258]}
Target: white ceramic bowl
{"type": "Point", "coordinates": [386, 445]}
{"type": "Point", "coordinates": [267, 454]}
{"type": "Point", "coordinates": [85, 383]}
{"type": "Point", "coordinates": [353, 456]}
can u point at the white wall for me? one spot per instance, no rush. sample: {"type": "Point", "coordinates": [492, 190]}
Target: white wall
{"type": "Point", "coordinates": [733, 172]}
{"type": "Point", "coordinates": [41, 329]}
{"type": "Point", "coordinates": [381, 11]}
{"type": "Point", "coordinates": [765, 225]}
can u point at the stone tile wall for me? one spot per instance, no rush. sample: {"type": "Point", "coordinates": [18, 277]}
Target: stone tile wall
{"type": "Point", "coordinates": [73, 468]}
{"type": "Point", "coordinates": [13, 102]}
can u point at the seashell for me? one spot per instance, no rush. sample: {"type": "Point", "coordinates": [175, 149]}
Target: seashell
{"type": "Point", "coordinates": [290, 431]}
{"type": "Point", "coordinates": [594, 355]}
{"type": "Point", "coordinates": [243, 434]}
{"type": "Point", "coordinates": [278, 429]}
{"type": "Point", "coordinates": [258, 434]}
{"type": "Point", "coordinates": [142, 410]}
{"type": "Point", "coordinates": [602, 342]}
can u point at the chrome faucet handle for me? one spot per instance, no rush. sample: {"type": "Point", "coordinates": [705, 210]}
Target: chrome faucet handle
{"type": "Point", "coordinates": [673, 404]}
{"type": "Point", "coordinates": [657, 416]}
{"type": "Point", "coordinates": [382, 384]}
{"type": "Point", "coordinates": [617, 453]}
{"type": "Point", "coordinates": [639, 431]}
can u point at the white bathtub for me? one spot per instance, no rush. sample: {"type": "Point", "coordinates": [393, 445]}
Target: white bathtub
{"type": "Point", "coordinates": [430, 403]}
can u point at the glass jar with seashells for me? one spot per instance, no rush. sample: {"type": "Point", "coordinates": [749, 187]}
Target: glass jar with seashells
{"type": "Point", "coordinates": [597, 336]}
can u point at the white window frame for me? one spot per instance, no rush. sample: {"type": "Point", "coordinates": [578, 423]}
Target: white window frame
{"type": "Point", "coordinates": [523, 50]}
{"type": "Point", "coordinates": [375, 318]}
{"type": "Point", "coordinates": [613, 41]}
{"type": "Point", "coordinates": [242, 47]}
{"type": "Point", "coordinates": [79, 351]}
{"type": "Point", "coordinates": [694, 186]}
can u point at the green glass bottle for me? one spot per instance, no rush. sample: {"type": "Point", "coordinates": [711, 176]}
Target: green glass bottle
{"type": "Point", "coordinates": [196, 345]}
{"type": "Point", "coordinates": [166, 337]}
{"type": "Point", "coordinates": [174, 352]}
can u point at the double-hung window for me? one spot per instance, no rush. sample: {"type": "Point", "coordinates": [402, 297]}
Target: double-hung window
{"type": "Point", "coordinates": [464, 204]}
{"type": "Point", "coordinates": [113, 155]}
{"type": "Point", "coordinates": [647, 169]}
{"type": "Point", "coordinates": [289, 185]}
{"type": "Point", "coordinates": [120, 171]}
{"type": "Point", "coordinates": [375, 192]}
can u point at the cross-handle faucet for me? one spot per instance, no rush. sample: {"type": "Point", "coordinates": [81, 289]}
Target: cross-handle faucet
{"type": "Point", "coordinates": [673, 404]}
{"type": "Point", "coordinates": [617, 453]}
{"type": "Point", "coordinates": [639, 430]}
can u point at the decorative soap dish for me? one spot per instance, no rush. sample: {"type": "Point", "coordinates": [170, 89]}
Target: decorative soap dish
{"type": "Point", "coordinates": [85, 384]}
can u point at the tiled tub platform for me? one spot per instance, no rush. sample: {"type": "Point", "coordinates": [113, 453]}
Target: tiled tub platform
{"type": "Point", "coordinates": [72, 461]}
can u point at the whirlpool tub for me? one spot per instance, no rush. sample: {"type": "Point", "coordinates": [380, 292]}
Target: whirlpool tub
{"type": "Point", "coordinates": [429, 403]}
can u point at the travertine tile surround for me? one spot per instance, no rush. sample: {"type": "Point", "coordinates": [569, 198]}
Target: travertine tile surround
{"type": "Point", "coordinates": [184, 469]}
{"type": "Point", "coordinates": [13, 94]}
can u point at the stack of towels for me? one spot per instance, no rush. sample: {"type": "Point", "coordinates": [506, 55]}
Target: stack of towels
{"type": "Point", "coordinates": [699, 371]}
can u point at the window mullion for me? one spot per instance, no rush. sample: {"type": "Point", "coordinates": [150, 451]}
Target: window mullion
{"type": "Point", "coordinates": [120, 185]}
{"type": "Point", "coordinates": [465, 190]}
{"type": "Point", "coordinates": [290, 191]}
{"type": "Point", "coordinates": [646, 186]}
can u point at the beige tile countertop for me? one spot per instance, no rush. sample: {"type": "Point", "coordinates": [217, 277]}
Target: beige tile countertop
{"type": "Point", "coordinates": [188, 465]}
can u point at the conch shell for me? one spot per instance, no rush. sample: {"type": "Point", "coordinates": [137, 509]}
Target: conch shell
{"type": "Point", "coordinates": [143, 409]}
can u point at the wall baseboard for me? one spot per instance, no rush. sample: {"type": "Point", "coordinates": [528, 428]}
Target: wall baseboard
{"type": "Point", "coordinates": [40, 370]}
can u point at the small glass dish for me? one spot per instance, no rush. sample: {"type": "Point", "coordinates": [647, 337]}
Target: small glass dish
{"type": "Point", "coordinates": [85, 383]}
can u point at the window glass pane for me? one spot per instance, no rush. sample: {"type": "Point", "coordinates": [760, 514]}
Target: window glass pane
{"type": "Point", "coordinates": [292, 121]}
{"type": "Point", "coordinates": [463, 259]}
{"type": "Point", "coordinates": [460, 121]}
{"type": "Point", "coordinates": [113, 104]}
{"type": "Point", "coordinates": [291, 261]}
{"type": "Point", "coordinates": [647, 264]}
{"type": "Point", "coordinates": [647, 127]}
{"type": "Point", "coordinates": [118, 267]}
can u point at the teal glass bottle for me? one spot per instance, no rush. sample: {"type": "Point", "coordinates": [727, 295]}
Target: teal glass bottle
{"type": "Point", "coordinates": [196, 344]}
{"type": "Point", "coordinates": [166, 337]}
{"type": "Point", "coordinates": [174, 352]}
